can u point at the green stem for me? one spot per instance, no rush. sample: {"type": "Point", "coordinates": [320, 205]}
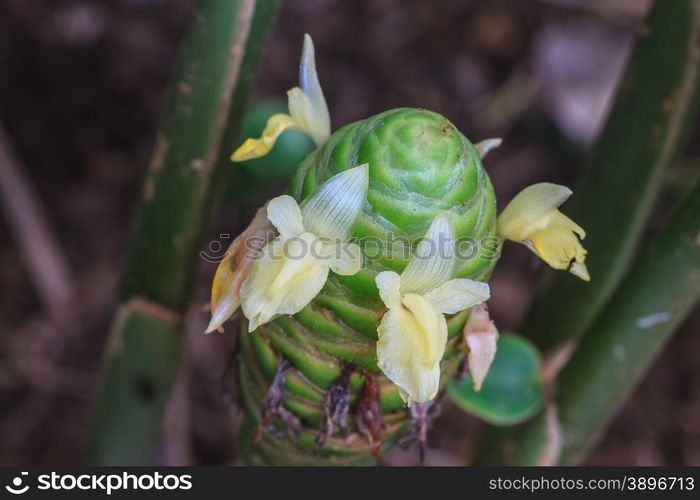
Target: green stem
{"type": "Point", "coordinates": [656, 102]}
{"type": "Point", "coordinates": [190, 161]}
{"type": "Point", "coordinates": [659, 292]}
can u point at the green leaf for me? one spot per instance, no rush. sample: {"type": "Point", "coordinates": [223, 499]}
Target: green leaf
{"type": "Point", "coordinates": [512, 391]}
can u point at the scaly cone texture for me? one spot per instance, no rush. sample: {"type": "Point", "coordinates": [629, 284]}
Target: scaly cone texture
{"type": "Point", "coordinates": [419, 166]}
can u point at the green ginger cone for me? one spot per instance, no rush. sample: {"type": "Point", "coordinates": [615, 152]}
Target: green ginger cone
{"type": "Point", "coordinates": [419, 166]}
{"type": "Point", "coordinates": [346, 353]}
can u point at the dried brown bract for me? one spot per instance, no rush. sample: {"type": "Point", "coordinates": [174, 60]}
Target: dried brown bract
{"type": "Point", "coordinates": [335, 409]}
{"type": "Point", "coordinates": [273, 407]}
{"type": "Point", "coordinates": [368, 415]}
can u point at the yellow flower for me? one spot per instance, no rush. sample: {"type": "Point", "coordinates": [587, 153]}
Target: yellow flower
{"type": "Point", "coordinates": [413, 332]}
{"type": "Point", "coordinates": [313, 239]}
{"type": "Point", "coordinates": [532, 219]}
{"type": "Point", "coordinates": [308, 112]}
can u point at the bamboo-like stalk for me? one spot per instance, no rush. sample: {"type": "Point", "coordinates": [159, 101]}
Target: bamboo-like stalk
{"type": "Point", "coordinates": [656, 101]}
{"type": "Point", "coordinates": [185, 177]}
{"type": "Point", "coordinates": [660, 291]}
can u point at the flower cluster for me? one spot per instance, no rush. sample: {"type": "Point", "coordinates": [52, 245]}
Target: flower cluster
{"type": "Point", "coordinates": [412, 334]}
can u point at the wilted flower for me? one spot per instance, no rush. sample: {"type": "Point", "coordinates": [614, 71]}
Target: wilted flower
{"type": "Point", "coordinates": [480, 339]}
{"type": "Point", "coordinates": [234, 269]}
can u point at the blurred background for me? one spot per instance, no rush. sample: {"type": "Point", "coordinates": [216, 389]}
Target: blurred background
{"type": "Point", "coordinates": [81, 87]}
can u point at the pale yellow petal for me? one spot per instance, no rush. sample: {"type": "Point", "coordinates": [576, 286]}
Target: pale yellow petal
{"type": "Point", "coordinates": [559, 247]}
{"type": "Point", "coordinates": [559, 219]}
{"type": "Point", "coordinates": [480, 337]}
{"type": "Point", "coordinates": [283, 281]}
{"type": "Point", "coordinates": [457, 295]}
{"type": "Point", "coordinates": [307, 106]}
{"type": "Point", "coordinates": [531, 210]}
{"type": "Point", "coordinates": [285, 215]}
{"type": "Point", "coordinates": [342, 258]}
{"type": "Point", "coordinates": [254, 291]}
{"type": "Point", "coordinates": [388, 283]}
{"type": "Point", "coordinates": [411, 344]}
{"type": "Point", "coordinates": [255, 148]}
{"type": "Point", "coordinates": [485, 146]}
{"type": "Point", "coordinates": [434, 260]}
{"type": "Point", "coordinates": [331, 212]}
